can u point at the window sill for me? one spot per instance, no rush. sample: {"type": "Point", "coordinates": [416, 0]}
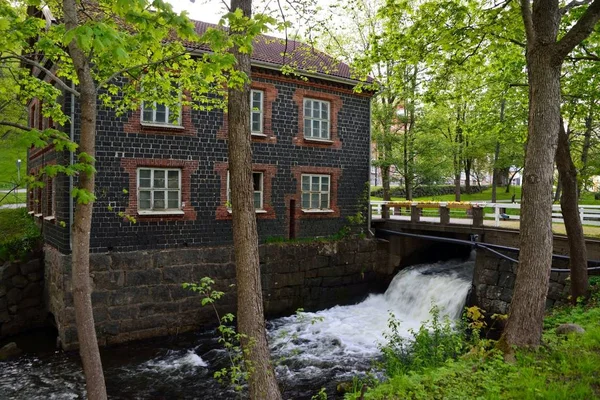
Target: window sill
{"type": "Point", "coordinates": [258, 135]}
{"type": "Point", "coordinates": [158, 213]}
{"type": "Point", "coordinates": [49, 218]}
{"type": "Point", "coordinates": [316, 211]}
{"type": "Point", "coordinates": [256, 211]}
{"type": "Point", "coordinates": [162, 126]}
{"type": "Point", "coordinates": [324, 141]}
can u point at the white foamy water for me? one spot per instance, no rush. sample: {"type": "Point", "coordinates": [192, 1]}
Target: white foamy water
{"type": "Point", "coordinates": [176, 360]}
{"type": "Point", "coordinates": [346, 335]}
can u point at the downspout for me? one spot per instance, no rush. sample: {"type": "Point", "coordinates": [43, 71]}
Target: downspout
{"type": "Point", "coordinates": [71, 160]}
{"type": "Point", "coordinates": [369, 210]}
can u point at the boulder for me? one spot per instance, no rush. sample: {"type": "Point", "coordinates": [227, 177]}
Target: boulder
{"type": "Point", "coordinates": [565, 329]}
{"type": "Point", "coordinates": [9, 351]}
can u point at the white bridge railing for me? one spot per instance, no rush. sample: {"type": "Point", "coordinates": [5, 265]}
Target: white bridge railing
{"type": "Point", "coordinates": [589, 214]}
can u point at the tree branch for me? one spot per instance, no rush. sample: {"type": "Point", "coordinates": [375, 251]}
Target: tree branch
{"type": "Point", "coordinates": [580, 31]}
{"type": "Point", "coordinates": [127, 69]}
{"type": "Point", "coordinates": [573, 4]}
{"type": "Point", "coordinates": [15, 125]}
{"type": "Point", "coordinates": [36, 64]}
{"type": "Point", "coordinates": [527, 20]}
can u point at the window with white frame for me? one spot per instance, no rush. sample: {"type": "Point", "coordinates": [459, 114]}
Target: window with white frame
{"type": "Point", "coordinates": [315, 192]}
{"type": "Point", "coordinates": [257, 184]}
{"type": "Point", "coordinates": [159, 190]}
{"type": "Point", "coordinates": [160, 114]}
{"type": "Point", "coordinates": [256, 112]}
{"type": "Point", "coordinates": [316, 119]}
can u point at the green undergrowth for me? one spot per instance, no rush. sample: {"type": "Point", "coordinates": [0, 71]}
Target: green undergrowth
{"type": "Point", "coordinates": [564, 367]}
{"type": "Point", "coordinates": [18, 234]}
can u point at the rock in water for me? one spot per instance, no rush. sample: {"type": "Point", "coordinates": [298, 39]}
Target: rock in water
{"type": "Point", "coordinates": [565, 329]}
{"type": "Point", "coordinates": [10, 350]}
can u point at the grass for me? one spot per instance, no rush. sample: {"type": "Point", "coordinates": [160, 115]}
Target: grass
{"type": "Point", "coordinates": [14, 148]}
{"type": "Point", "coordinates": [13, 198]}
{"type": "Point", "coordinates": [563, 368]}
{"type": "Point", "coordinates": [18, 233]}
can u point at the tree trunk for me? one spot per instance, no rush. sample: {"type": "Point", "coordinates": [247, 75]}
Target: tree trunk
{"type": "Point", "coordinates": [570, 210]}
{"type": "Point", "coordinates": [385, 182]}
{"type": "Point", "coordinates": [251, 321]}
{"type": "Point", "coordinates": [468, 165]}
{"type": "Point", "coordinates": [525, 321]}
{"type": "Point", "coordinates": [587, 144]}
{"type": "Point", "coordinates": [457, 186]}
{"type": "Point", "coordinates": [496, 172]}
{"type": "Point", "coordinates": [82, 223]}
{"type": "Point", "coordinates": [558, 191]}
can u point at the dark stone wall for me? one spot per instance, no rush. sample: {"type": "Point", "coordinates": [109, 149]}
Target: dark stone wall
{"type": "Point", "coordinates": [494, 281]}
{"type": "Point", "coordinates": [139, 294]}
{"type": "Point", "coordinates": [204, 143]}
{"type": "Point", "coordinates": [21, 296]}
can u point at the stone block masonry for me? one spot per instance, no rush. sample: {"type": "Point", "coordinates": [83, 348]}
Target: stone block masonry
{"type": "Point", "coordinates": [494, 281]}
{"type": "Point", "coordinates": [21, 296]}
{"type": "Point", "coordinates": [139, 294]}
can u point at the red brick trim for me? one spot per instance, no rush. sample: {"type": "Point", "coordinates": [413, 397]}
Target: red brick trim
{"type": "Point", "coordinates": [269, 171]}
{"type": "Point", "coordinates": [335, 174]}
{"type": "Point", "coordinates": [130, 165]}
{"type": "Point", "coordinates": [270, 95]}
{"type": "Point", "coordinates": [134, 124]}
{"type": "Point", "coordinates": [335, 103]}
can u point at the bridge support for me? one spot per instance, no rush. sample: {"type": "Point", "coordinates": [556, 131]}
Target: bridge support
{"type": "Point", "coordinates": [444, 215]}
{"type": "Point", "coordinates": [415, 214]}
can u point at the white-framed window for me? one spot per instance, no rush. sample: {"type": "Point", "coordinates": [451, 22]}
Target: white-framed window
{"type": "Point", "coordinates": [258, 186]}
{"type": "Point", "coordinates": [316, 119]}
{"type": "Point", "coordinates": [159, 190]}
{"type": "Point", "coordinates": [160, 114]}
{"type": "Point", "coordinates": [315, 192]}
{"type": "Point", "coordinates": [256, 112]}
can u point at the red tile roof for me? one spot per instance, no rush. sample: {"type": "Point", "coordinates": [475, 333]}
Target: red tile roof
{"type": "Point", "coordinates": [279, 52]}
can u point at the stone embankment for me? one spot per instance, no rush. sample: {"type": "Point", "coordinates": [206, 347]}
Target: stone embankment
{"type": "Point", "coordinates": [139, 294]}
{"type": "Point", "coordinates": [21, 296]}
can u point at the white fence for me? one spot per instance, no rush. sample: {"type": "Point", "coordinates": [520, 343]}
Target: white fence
{"type": "Point", "coordinates": [589, 214]}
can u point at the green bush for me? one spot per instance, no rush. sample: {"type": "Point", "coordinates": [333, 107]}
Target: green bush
{"type": "Point", "coordinates": [19, 234]}
{"type": "Point", "coordinates": [435, 342]}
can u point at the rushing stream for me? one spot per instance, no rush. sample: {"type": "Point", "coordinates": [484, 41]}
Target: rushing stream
{"type": "Point", "coordinates": [312, 351]}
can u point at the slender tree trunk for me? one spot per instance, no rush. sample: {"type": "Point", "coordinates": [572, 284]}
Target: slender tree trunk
{"type": "Point", "coordinates": [587, 144]}
{"type": "Point", "coordinates": [570, 210]}
{"type": "Point", "coordinates": [457, 186]}
{"type": "Point", "coordinates": [385, 182]}
{"type": "Point", "coordinates": [468, 166]}
{"type": "Point", "coordinates": [251, 321]}
{"type": "Point", "coordinates": [524, 325]}
{"type": "Point", "coordinates": [82, 223]}
{"type": "Point", "coordinates": [558, 191]}
{"type": "Point", "coordinates": [496, 172]}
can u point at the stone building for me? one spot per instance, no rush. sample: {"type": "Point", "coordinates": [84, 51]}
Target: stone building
{"type": "Point", "coordinates": [169, 170]}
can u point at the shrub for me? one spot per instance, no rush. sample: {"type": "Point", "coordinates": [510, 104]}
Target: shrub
{"type": "Point", "coordinates": [19, 234]}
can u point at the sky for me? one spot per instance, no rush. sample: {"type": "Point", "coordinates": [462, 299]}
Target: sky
{"type": "Point", "coordinates": [201, 10]}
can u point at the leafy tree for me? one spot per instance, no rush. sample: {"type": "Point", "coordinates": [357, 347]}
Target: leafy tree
{"type": "Point", "coordinates": [545, 55]}
{"type": "Point", "coordinates": [251, 322]}
{"type": "Point", "coordinates": [93, 45]}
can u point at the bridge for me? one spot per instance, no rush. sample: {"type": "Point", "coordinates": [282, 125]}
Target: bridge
{"type": "Point", "coordinates": [499, 215]}
{"type": "Point", "coordinates": [427, 232]}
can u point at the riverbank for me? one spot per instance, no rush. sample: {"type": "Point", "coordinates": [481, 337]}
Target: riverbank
{"type": "Point", "coordinates": [564, 367]}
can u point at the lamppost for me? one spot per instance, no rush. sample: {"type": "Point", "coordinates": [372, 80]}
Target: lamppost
{"type": "Point", "coordinates": [19, 171]}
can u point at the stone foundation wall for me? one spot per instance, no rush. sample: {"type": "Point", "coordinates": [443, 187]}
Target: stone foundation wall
{"type": "Point", "coordinates": [21, 296]}
{"type": "Point", "coordinates": [494, 280]}
{"type": "Point", "coordinates": [139, 294]}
